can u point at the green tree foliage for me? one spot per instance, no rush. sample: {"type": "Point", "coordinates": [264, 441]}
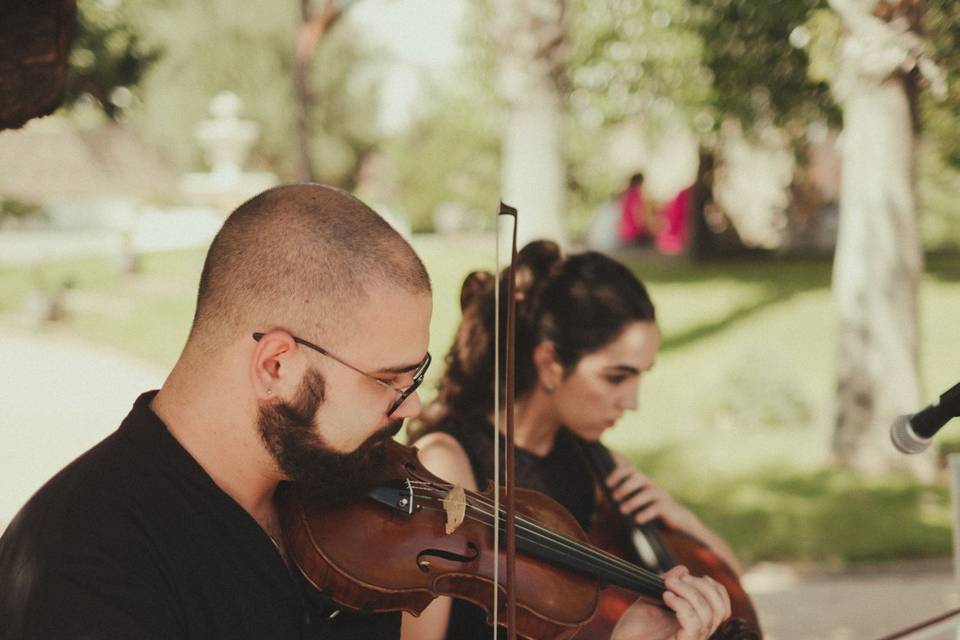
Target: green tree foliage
{"type": "Point", "coordinates": [631, 61]}
{"type": "Point", "coordinates": [654, 61]}
{"type": "Point", "coordinates": [756, 54]}
{"type": "Point", "coordinates": [636, 59]}
{"type": "Point", "coordinates": [109, 55]}
{"type": "Point", "coordinates": [212, 46]}
{"type": "Point", "coordinates": [938, 175]}
{"type": "Point", "coordinates": [942, 117]}
{"type": "Point", "coordinates": [449, 154]}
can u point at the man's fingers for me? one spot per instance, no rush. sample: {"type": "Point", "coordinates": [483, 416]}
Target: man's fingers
{"type": "Point", "coordinates": [718, 598]}
{"type": "Point", "coordinates": [690, 590]}
{"type": "Point", "coordinates": [700, 604]}
{"type": "Point", "coordinates": [687, 618]}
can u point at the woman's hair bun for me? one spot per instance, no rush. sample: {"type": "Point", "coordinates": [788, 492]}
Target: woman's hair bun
{"type": "Point", "coordinates": [475, 286]}
{"type": "Point", "coordinates": [534, 264]}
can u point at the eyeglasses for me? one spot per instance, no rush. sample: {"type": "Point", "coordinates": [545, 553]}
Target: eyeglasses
{"type": "Point", "coordinates": [402, 394]}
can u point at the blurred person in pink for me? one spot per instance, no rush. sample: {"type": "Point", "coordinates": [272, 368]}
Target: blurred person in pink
{"type": "Point", "coordinates": [634, 226]}
{"type": "Point", "coordinates": [674, 223]}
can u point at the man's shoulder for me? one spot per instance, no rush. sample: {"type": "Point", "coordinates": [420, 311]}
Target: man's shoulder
{"type": "Point", "coordinates": [82, 491]}
{"type": "Point", "coordinates": [132, 466]}
{"type": "Point", "coordinates": [80, 527]}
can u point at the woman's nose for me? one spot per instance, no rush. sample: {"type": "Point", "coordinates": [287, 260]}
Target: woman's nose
{"type": "Point", "coordinates": [630, 399]}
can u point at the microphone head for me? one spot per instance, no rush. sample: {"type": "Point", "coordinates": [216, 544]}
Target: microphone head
{"type": "Point", "coordinates": [905, 439]}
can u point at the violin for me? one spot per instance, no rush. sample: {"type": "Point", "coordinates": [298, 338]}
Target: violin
{"type": "Point", "coordinates": [658, 547]}
{"type": "Point", "coordinates": [417, 537]}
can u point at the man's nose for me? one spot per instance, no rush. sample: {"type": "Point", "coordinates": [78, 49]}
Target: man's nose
{"type": "Point", "coordinates": [409, 409]}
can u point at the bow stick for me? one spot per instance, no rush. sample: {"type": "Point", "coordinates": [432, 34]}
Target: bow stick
{"type": "Point", "coordinates": [509, 483]}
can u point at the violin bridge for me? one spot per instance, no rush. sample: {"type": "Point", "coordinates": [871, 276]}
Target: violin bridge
{"type": "Point", "coordinates": [455, 504]}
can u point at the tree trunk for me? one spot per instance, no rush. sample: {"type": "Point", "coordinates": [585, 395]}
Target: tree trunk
{"type": "Point", "coordinates": [304, 101]}
{"type": "Point", "coordinates": [530, 36]}
{"type": "Point", "coordinates": [533, 176]}
{"type": "Point", "coordinates": [878, 258]}
{"type": "Point", "coordinates": [701, 246]}
{"type": "Point", "coordinates": [315, 24]}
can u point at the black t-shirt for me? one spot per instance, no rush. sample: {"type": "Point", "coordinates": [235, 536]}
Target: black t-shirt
{"type": "Point", "coordinates": [134, 540]}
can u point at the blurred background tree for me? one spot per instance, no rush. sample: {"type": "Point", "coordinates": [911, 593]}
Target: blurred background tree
{"type": "Point", "coordinates": [110, 55]}
{"type": "Point", "coordinates": [210, 47]}
{"type": "Point", "coordinates": [449, 156]}
{"type": "Point", "coordinates": [531, 43]}
{"type": "Point", "coordinates": [577, 79]}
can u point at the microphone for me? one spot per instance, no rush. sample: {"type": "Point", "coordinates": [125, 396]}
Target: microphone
{"type": "Point", "coordinates": [913, 433]}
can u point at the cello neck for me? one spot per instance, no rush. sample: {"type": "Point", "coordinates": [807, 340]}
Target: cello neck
{"type": "Point", "coordinates": [645, 539]}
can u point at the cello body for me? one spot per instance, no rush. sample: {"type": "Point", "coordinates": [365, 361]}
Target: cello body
{"type": "Point", "coordinates": [666, 547]}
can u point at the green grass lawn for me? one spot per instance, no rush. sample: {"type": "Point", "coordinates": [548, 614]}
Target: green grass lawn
{"type": "Point", "coordinates": [734, 418]}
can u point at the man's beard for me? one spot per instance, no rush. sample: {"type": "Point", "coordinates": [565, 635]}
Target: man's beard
{"type": "Point", "coordinates": [291, 436]}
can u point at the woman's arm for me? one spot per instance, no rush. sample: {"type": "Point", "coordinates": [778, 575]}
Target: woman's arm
{"type": "Point", "coordinates": [443, 456]}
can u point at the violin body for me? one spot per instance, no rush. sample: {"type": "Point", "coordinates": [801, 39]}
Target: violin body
{"type": "Point", "coordinates": [367, 557]}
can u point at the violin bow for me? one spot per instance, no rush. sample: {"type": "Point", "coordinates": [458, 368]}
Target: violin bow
{"type": "Point", "coordinates": [509, 483]}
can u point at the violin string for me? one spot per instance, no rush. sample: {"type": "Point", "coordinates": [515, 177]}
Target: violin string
{"type": "Point", "coordinates": [567, 541]}
{"type": "Point", "coordinates": [599, 561]}
{"type": "Point", "coordinates": [563, 543]}
{"type": "Point", "coordinates": [547, 533]}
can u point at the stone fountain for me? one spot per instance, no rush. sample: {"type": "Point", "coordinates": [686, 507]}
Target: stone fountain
{"type": "Point", "coordinates": [226, 141]}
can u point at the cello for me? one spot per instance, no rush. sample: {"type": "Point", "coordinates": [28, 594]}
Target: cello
{"type": "Point", "coordinates": [657, 547]}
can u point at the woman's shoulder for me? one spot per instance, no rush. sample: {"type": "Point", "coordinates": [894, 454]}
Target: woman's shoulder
{"type": "Point", "coordinates": [440, 441]}
{"type": "Point", "coordinates": [444, 456]}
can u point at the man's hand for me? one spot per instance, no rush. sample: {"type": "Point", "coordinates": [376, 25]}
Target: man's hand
{"type": "Point", "coordinates": [699, 606]}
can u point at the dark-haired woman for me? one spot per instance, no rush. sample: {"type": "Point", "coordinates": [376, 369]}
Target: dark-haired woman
{"type": "Point", "coordinates": [586, 334]}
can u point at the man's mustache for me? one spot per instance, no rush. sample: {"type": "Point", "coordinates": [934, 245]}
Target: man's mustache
{"type": "Point", "coordinates": [393, 428]}
{"type": "Point", "coordinates": [386, 433]}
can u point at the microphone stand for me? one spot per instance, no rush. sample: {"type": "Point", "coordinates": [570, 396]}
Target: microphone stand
{"type": "Point", "coordinates": [930, 624]}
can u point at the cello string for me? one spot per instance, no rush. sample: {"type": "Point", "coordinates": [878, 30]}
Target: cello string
{"type": "Point", "coordinates": [597, 557]}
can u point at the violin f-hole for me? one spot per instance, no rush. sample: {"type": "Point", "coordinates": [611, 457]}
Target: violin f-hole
{"type": "Point", "coordinates": [423, 558]}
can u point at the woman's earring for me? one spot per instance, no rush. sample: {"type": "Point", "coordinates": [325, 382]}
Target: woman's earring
{"type": "Point", "coordinates": [548, 387]}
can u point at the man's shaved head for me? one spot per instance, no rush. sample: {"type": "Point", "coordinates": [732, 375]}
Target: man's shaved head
{"type": "Point", "coordinates": [298, 257]}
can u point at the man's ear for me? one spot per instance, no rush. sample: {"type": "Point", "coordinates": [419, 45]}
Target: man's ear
{"type": "Point", "coordinates": [549, 369]}
{"type": "Point", "coordinates": [270, 365]}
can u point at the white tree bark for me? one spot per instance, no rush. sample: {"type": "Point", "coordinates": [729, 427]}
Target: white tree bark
{"type": "Point", "coordinates": [530, 36]}
{"type": "Point", "coordinates": [878, 258]}
{"type": "Point", "coordinates": [752, 184]}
